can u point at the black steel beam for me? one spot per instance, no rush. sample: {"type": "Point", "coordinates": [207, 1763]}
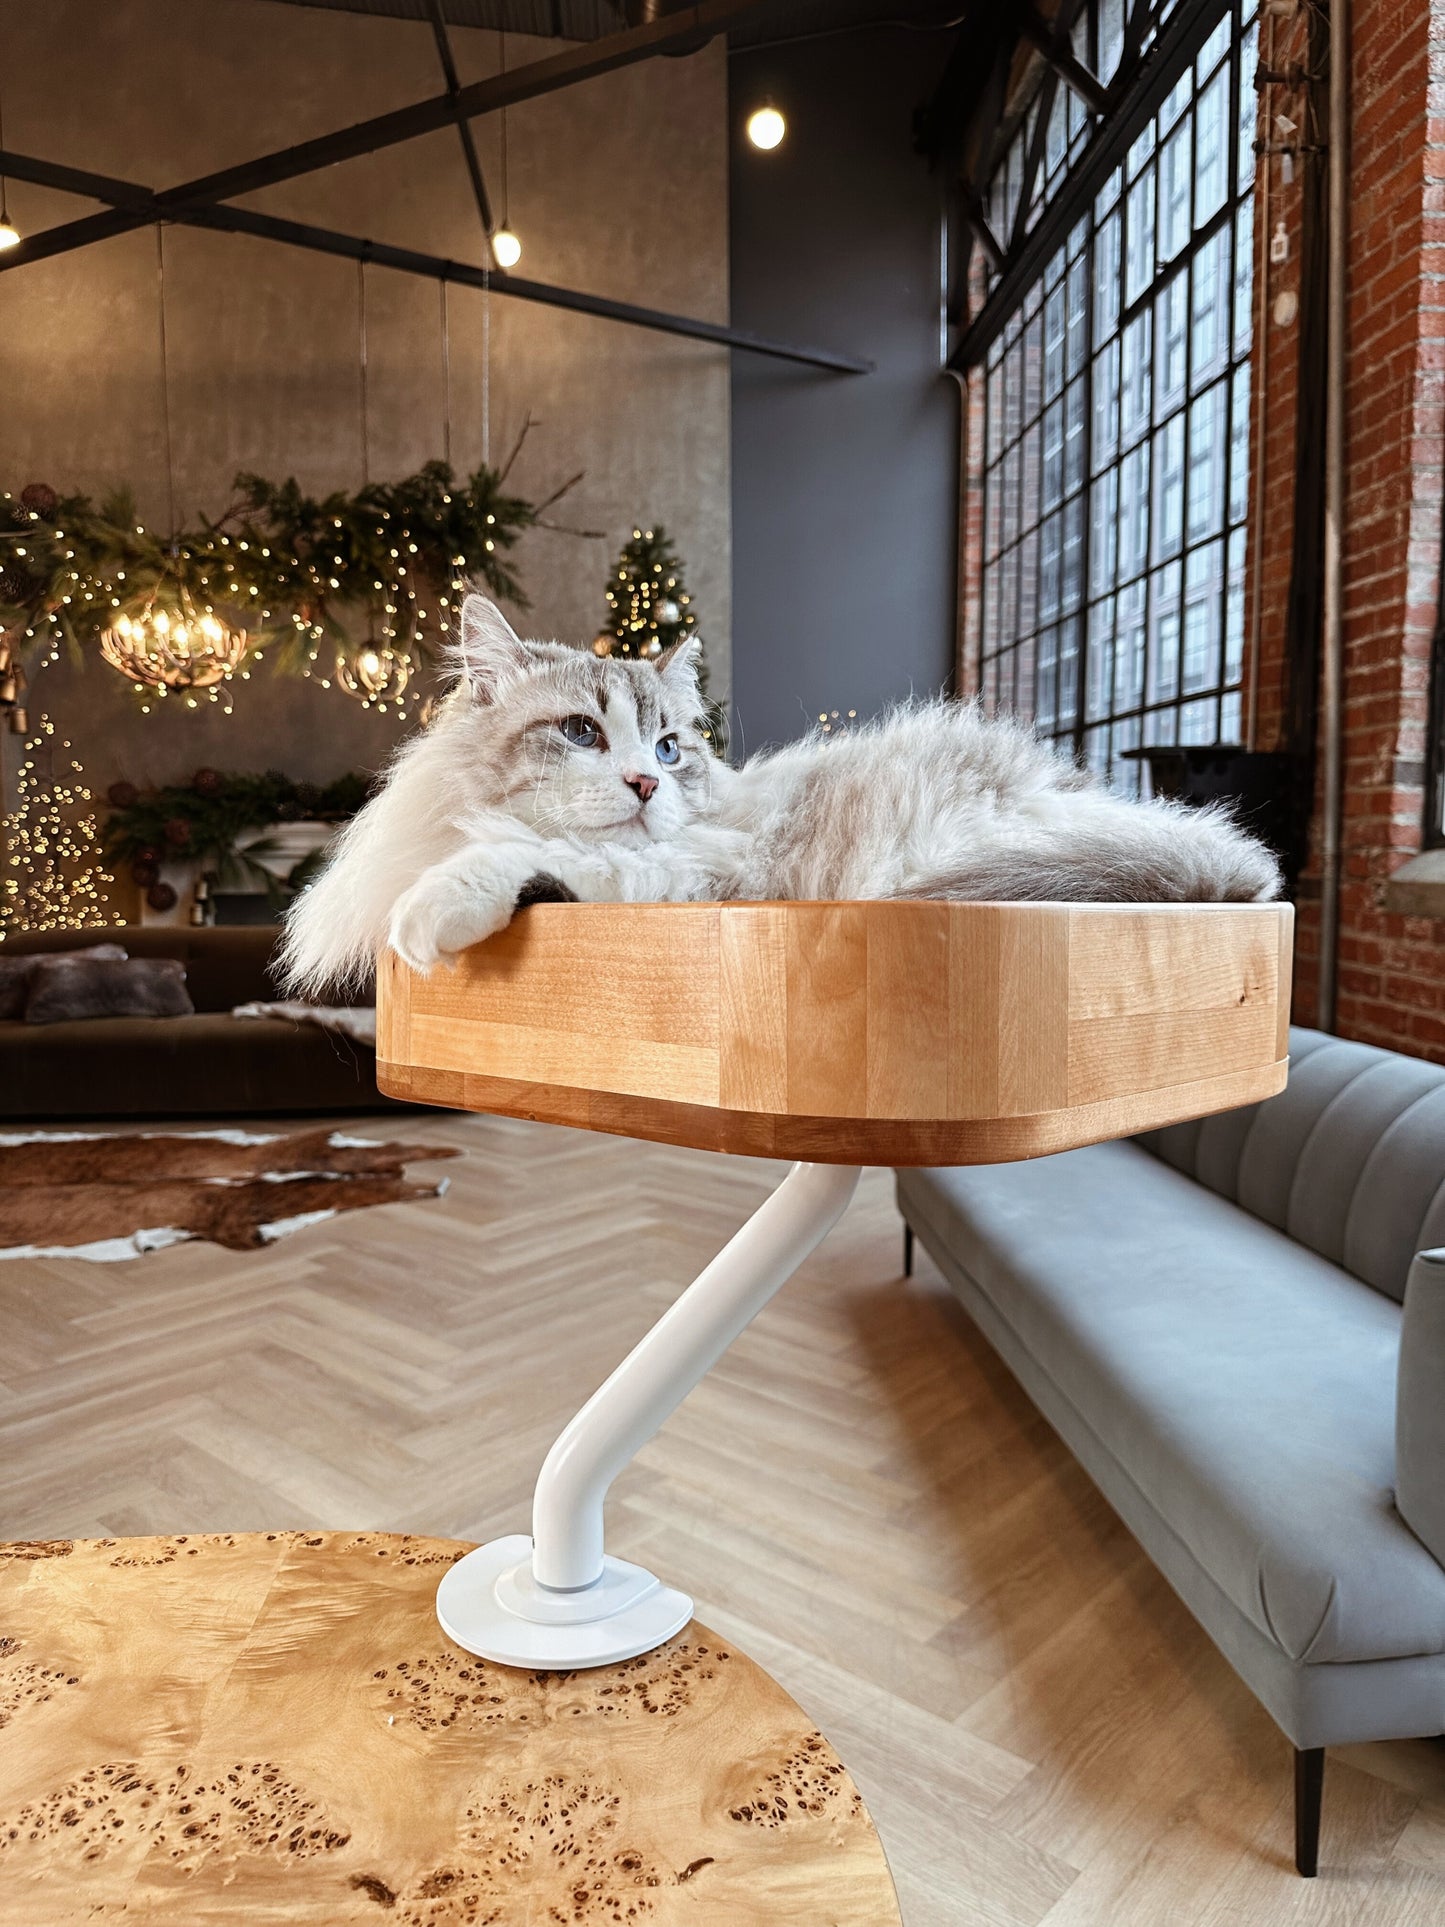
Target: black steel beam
{"type": "Point", "coordinates": [673, 33]}
{"type": "Point", "coordinates": [1058, 51]}
{"type": "Point", "coordinates": [1132, 98]}
{"type": "Point", "coordinates": [139, 205]}
{"type": "Point", "coordinates": [464, 127]}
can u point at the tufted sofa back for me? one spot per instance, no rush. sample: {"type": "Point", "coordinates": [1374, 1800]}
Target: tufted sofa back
{"type": "Point", "coordinates": [1348, 1160]}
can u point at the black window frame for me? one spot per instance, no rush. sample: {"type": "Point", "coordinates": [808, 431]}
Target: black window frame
{"type": "Point", "coordinates": [1030, 646]}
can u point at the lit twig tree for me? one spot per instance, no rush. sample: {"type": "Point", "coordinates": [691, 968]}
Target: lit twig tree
{"type": "Point", "coordinates": [53, 878]}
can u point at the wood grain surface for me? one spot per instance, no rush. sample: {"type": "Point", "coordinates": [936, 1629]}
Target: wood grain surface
{"type": "Point", "coordinates": [271, 1727]}
{"type": "Point", "coordinates": [898, 1033]}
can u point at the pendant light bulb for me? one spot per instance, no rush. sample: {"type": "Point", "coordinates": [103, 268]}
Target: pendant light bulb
{"type": "Point", "coordinates": [9, 233]}
{"type": "Point", "coordinates": [766, 127]}
{"type": "Point", "coordinates": [506, 247]}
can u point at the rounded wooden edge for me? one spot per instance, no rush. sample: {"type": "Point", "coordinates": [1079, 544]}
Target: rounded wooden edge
{"type": "Point", "coordinates": [833, 1140]}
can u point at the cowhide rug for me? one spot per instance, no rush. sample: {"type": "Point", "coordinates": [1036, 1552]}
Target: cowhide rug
{"type": "Point", "coordinates": [80, 1194]}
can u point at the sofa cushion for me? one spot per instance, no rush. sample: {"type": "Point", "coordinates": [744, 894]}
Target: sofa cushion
{"type": "Point", "coordinates": [1243, 1383]}
{"type": "Point", "coordinates": [1420, 1406]}
{"type": "Point", "coordinates": [1348, 1160]}
{"type": "Point", "coordinates": [17, 970]}
{"type": "Point", "coordinates": [224, 967]}
{"type": "Point", "coordinates": [83, 987]}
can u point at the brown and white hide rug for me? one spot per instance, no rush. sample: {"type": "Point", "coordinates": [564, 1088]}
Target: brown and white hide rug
{"type": "Point", "coordinates": [83, 1194]}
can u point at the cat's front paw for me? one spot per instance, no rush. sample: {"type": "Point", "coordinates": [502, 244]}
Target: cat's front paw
{"type": "Point", "coordinates": [437, 918]}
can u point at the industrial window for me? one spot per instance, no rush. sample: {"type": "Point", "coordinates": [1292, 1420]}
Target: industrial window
{"type": "Point", "coordinates": [1116, 439]}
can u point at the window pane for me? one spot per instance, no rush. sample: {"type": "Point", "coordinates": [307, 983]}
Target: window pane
{"type": "Point", "coordinates": [1139, 242]}
{"type": "Point", "coordinates": [1175, 183]}
{"type": "Point", "coordinates": [1163, 675]}
{"type": "Point", "coordinates": [1134, 378]}
{"type": "Point", "coordinates": [1171, 345]}
{"type": "Point", "coordinates": [1210, 319]}
{"type": "Point", "coordinates": [1075, 440]}
{"type": "Point", "coordinates": [1211, 154]}
{"type": "Point", "coordinates": [1207, 417]}
{"type": "Point", "coordinates": [1169, 488]}
{"type": "Point", "coordinates": [1106, 403]}
{"type": "Point", "coordinates": [1203, 618]}
{"type": "Point", "coordinates": [1104, 532]}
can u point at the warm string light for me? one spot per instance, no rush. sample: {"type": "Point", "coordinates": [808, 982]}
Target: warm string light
{"type": "Point", "coordinates": [830, 720]}
{"type": "Point", "coordinates": [53, 877]}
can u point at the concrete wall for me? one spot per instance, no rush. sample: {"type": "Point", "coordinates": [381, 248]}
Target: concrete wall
{"type": "Point", "coordinates": [844, 486]}
{"type": "Point", "coordinates": [618, 186]}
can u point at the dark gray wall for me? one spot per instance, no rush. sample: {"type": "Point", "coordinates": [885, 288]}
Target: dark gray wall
{"type": "Point", "coordinates": [844, 487]}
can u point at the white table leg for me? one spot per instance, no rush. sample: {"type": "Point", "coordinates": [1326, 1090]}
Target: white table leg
{"type": "Point", "coordinates": [557, 1601]}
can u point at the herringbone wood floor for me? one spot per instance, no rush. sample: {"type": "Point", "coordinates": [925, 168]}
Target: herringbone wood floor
{"type": "Point", "coordinates": [859, 1495]}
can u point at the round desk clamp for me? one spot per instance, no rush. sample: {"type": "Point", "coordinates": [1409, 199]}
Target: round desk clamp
{"type": "Point", "coordinates": [832, 1034]}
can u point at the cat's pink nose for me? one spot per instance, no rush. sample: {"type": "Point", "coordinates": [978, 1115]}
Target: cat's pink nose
{"type": "Point", "coordinates": [644, 785]}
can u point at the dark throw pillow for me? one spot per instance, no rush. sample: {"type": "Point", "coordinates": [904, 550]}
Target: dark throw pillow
{"type": "Point", "coordinates": [16, 972]}
{"type": "Point", "coordinates": [64, 989]}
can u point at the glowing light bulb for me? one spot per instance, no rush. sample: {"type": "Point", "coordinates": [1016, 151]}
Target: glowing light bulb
{"type": "Point", "coordinates": [371, 663]}
{"type": "Point", "coordinates": [506, 247]}
{"type": "Point", "coordinates": [9, 233]}
{"type": "Point", "coordinates": [766, 127]}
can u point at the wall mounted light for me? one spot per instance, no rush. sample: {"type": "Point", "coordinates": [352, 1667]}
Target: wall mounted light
{"type": "Point", "coordinates": [766, 126]}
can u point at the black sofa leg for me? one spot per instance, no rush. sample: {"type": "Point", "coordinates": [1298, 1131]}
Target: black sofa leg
{"type": "Point", "coordinates": [907, 1249]}
{"type": "Point", "coordinates": [1309, 1786]}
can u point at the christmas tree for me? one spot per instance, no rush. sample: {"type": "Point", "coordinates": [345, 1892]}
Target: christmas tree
{"type": "Point", "coordinates": [648, 607]}
{"type": "Point", "coordinates": [53, 877]}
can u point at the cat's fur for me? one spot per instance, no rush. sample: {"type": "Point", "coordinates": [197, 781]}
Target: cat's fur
{"type": "Point", "coordinates": [934, 800]}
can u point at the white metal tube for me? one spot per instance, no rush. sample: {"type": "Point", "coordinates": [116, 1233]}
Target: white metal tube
{"type": "Point", "coordinates": [655, 1377]}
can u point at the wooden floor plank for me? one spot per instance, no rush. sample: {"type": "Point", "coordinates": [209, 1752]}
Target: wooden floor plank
{"type": "Point", "coordinates": [860, 1496]}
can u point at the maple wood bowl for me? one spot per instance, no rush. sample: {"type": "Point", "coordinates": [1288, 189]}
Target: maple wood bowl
{"type": "Point", "coordinates": [852, 1033]}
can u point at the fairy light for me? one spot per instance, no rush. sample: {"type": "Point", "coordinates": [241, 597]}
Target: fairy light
{"type": "Point", "coordinates": [53, 877]}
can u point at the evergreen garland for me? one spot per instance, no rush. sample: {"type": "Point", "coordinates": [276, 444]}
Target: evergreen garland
{"type": "Point", "coordinates": [297, 572]}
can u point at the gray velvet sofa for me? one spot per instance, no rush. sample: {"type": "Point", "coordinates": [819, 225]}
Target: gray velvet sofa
{"type": "Point", "coordinates": [1238, 1327]}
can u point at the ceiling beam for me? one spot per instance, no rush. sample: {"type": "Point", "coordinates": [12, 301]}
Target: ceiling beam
{"type": "Point", "coordinates": [464, 127]}
{"type": "Point", "coordinates": [140, 206]}
{"type": "Point", "coordinates": [683, 31]}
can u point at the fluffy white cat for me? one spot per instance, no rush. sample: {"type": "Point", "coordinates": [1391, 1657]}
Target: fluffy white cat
{"type": "Point", "coordinates": [553, 773]}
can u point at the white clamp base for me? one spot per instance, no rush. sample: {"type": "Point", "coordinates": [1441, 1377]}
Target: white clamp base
{"type": "Point", "coordinates": [489, 1603]}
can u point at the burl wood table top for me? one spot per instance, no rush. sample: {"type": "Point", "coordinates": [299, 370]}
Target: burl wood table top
{"type": "Point", "coordinates": [271, 1727]}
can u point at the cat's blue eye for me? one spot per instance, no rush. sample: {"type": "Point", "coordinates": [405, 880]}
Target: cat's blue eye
{"type": "Point", "coordinates": [580, 731]}
{"type": "Point", "coordinates": [667, 750]}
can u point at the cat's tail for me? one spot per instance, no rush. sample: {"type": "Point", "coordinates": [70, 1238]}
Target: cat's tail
{"type": "Point", "coordinates": [1094, 847]}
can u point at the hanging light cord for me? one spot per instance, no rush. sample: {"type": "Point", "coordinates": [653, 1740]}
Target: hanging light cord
{"type": "Point", "coordinates": [506, 195]}
{"type": "Point", "coordinates": [165, 379]}
{"type": "Point", "coordinates": [446, 375]}
{"type": "Point", "coordinates": [361, 370]}
{"type": "Point", "coordinates": [4, 211]}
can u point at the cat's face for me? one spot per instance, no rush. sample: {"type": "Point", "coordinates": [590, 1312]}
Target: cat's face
{"type": "Point", "coordinates": [577, 745]}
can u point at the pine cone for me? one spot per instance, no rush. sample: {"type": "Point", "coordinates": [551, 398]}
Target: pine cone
{"type": "Point", "coordinates": [122, 796]}
{"type": "Point", "coordinates": [17, 589]}
{"type": "Point", "coordinates": [40, 498]}
{"type": "Point", "coordinates": [161, 896]}
{"type": "Point", "coordinates": [206, 782]}
{"type": "Point", "coordinates": [177, 831]}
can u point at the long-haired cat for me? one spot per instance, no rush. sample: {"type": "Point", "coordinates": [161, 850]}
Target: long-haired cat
{"type": "Point", "coordinates": [551, 772]}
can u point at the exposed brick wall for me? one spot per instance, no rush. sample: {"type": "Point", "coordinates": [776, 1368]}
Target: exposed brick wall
{"type": "Point", "coordinates": [1391, 968]}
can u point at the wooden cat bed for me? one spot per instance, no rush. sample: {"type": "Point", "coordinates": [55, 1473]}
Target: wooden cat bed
{"type": "Point", "coordinates": [852, 1033]}
{"type": "Point", "coordinates": [838, 1034]}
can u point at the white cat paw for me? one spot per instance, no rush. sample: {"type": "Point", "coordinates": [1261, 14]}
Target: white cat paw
{"type": "Point", "coordinates": [433, 922]}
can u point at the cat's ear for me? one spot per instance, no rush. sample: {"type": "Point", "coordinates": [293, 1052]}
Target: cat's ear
{"type": "Point", "coordinates": [678, 666]}
{"type": "Point", "coordinates": [492, 651]}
